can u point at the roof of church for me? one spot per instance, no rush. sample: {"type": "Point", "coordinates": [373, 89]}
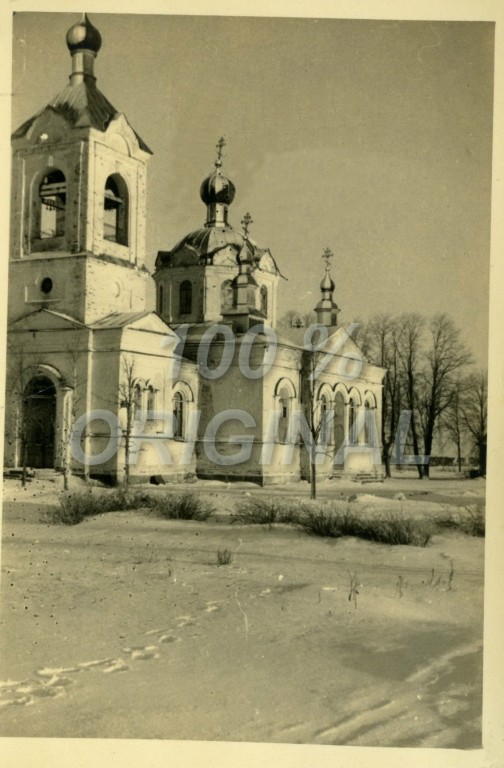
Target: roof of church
{"type": "Point", "coordinates": [42, 313]}
{"type": "Point", "coordinates": [200, 246]}
{"type": "Point", "coordinates": [120, 319]}
{"type": "Point", "coordinates": [83, 106]}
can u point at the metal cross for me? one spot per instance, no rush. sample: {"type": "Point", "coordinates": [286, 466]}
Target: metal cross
{"type": "Point", "coordinates": [220, 144]}
{"type": "Point", "coordinates": [246, 222]}
{"type": "Point", "coordinates": [327, 256]}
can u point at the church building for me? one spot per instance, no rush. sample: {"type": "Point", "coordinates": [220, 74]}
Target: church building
{"type": "Point", "coordinates": [102, 384]}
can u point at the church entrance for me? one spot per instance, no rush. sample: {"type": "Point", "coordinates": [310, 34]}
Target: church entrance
{"type": "Point", "coordinates": [39, 415]}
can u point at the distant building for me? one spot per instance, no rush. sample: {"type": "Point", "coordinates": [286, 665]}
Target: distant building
{"type": "Point", "coordinates": [92, 368]}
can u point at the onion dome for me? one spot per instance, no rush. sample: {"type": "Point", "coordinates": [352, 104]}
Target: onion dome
{"type": "Point", "coordinates": [217, 192]}
{"type": "Point", "coordinates": [217, 189]}
{"type": "Point", "coordinates": [83, 36]}
{"type": "Point", "coordinates": [327, 284]}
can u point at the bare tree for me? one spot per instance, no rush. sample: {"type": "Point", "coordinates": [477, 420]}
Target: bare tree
{"type": "Point", "coordinates": [70, 417]}
{"type": "Point", "coordinates": [363, 334]}
{"type": "Point", "coordinates": [292, 324]}
{"type": "Point", "coordinates": [308, 318]}
{"type": "Point", "coordinates": [446, 357]}
{"type": "Point", "coordinates": [308, 393]}
{"type": "Point", "coordinates": [128, 399]}
{"type": "Point", "coordinates": [378, 340]}
{"type": "Point", "coordinates": [452, 421]}
{"type": "Point", "coordinates": [318, 419]}
{"type": "Point", "coordinates": [474, 414]}
{"type": "Point", "coordinates": [409, 355]}
{"type": "Point", "coordinates": [288, 319]}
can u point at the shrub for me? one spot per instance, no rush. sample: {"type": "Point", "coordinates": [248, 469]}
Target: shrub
{"type": "Point", "coordinates": [73, 508]}
{"type": "Point", "coordinates": [330, 522]}
{"type": "Point", "coordinates": [472, 523]}
{"type": "Point", "coordinates": [181, 506]}
{"type": "Point", "coordinates": [122, 498]}
{"type": "Point", "coordinates": [224, 556]}
{"type": "Point", "coordinates": [397, 529]}
{"type": "Point", "coordinates": [257, 511]}
{"type": "Point", "coordinates": [391, 529]}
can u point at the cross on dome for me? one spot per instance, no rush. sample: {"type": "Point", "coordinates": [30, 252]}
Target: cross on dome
{"type": "Point", "coordinates": [219, 146]}
{"type": "Point", "coordinates": [246, 222]}
{"type": "Point", "coordinates": [327, 256]}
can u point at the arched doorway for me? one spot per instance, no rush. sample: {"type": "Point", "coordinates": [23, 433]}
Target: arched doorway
{"type": "Point", "coordinates": [39, 420]}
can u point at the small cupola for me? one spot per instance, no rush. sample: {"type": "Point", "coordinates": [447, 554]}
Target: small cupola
{"type": "Point", "coordinates": [83, 41]}
{"type": "Point", "coordinates": [327, 310]}
{"type": "Point", "coordinates": [244, 313]}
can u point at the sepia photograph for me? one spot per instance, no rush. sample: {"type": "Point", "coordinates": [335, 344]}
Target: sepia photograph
{"type": "Point", "coordinates": [246, 373]}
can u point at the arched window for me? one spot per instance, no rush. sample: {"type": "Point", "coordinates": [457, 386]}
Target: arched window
{"type": "Point", "coordinates": [283, 425]}
{"type": "Point", "coordinates": [185, 298]}
{"type": "Point", "coordinates": [226, 295]}
{"type": "Point", "coordinates": [151, 398]}
{"type": "Point", "coordinates": [369, 423]}
{"type": "Point", "coordinates": [352, 416]}
{"type": "Point", "coordinates": [115, 213]}
{"type": "Point", "coordinates": [160, 300]}
{"type": "Point", "coordinates": [52, 193]}
{"type": "Point", "coordinates": [324, 420]}
{"type": "Point", "coordinates": [339, 427]}
{"type": "Point", "coordinates": [263, 294]}
{"type": "Point", "coordinates": [179, 415]}
{"type": "Point", "coordinates": [137, 398]}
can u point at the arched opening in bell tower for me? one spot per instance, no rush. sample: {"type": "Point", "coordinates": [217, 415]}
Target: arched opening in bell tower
{"type": "Point", "coordinates": [52, 197]}
{"type": "Point", "coordinates": [115, 210]}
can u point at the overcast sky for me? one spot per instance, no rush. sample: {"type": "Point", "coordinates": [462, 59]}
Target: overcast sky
{"type": "Point", "coordinates": [370, 137]}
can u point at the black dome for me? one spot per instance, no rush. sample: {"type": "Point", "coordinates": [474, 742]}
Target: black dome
{"type": "Point", "coordinates": [217, 189]}
{"type": "Point", "coordinates": [83, 37]}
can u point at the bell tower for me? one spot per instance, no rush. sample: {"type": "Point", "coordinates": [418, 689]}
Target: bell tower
{"type": "Point", "coordinates": [78, 201]}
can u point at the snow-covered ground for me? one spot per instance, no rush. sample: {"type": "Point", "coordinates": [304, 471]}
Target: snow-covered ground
{"type": "Point", "coordinates": [125, 626]}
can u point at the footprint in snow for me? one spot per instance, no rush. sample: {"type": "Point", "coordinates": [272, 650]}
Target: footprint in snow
{"type": "Point", "coordinates": [94, 663]}
{"type": "Point", "coordinates": [23, 694]}
{"type": "Point", "coordinates": [142, 654]}
{"type": "Point", "coordinates": [117, 666]}
{"type": "Point", "coordinates": [50, 672]}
